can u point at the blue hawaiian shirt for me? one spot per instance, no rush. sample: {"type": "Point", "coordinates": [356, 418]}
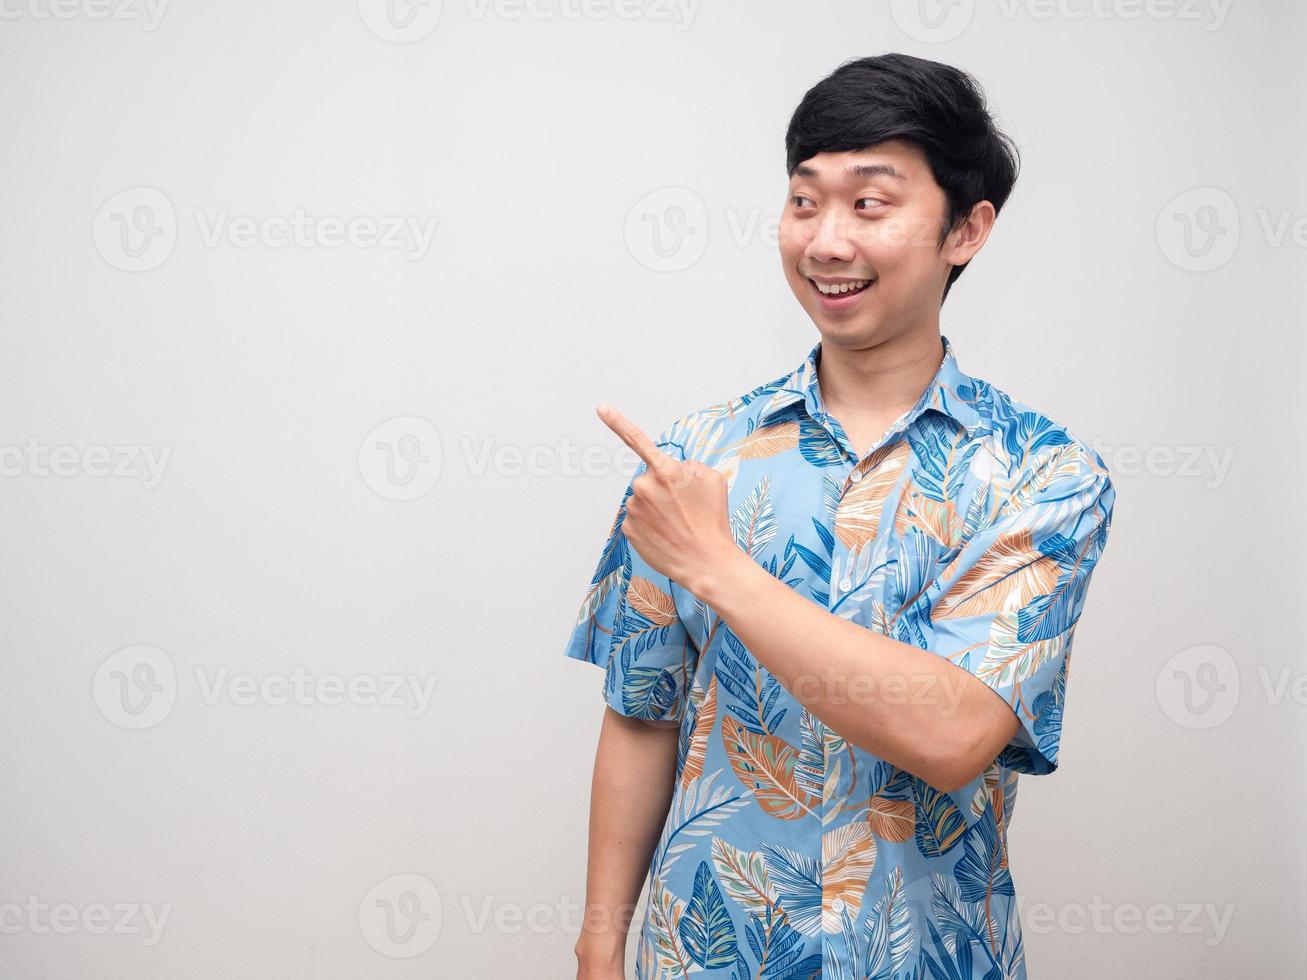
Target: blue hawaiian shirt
{"type": "Point", "coordinates": [970, 530]}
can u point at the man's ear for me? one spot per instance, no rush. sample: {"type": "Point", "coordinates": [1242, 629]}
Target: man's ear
{"type": "Point", "coordinates": [964, 241]}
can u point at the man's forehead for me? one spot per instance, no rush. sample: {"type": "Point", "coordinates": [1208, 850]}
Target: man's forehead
{"type": "Point", "coordinates": [894, 160]}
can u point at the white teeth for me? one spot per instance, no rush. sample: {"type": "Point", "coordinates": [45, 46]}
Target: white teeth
{"type": "Point", "coordinates": [842, 287]}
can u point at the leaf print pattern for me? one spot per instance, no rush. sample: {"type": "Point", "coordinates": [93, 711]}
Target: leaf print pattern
{"type": "Point", "coordinates": [744, 875]}
{"type": "Point", "coordinates": [972, 530]}
{"type": "Point", "coordinates": [848, 854]}
{"type": "Point", "coordinates": [797, 877]}
{"type": "Point", "coordinates": [696, 740]}
{"type": "Point", "coordinates": [859, 514]}
{"type": "Point", "coordinates": [1013, 574]}
{"type": "Point", "coordinates": [940, 823]}
{"type": "Point", "coordinates": [765, 764]}
{"type": "Point", "coordinates": [706, 928]}
{"type": "Point", "coordinates": [771, 441]}
{"type": "Point", "coordinates": [754, 522]}
{"type": "Point", "coordinates": [889, 931]}
{"type": "Point", "coordinates": [651, 602]}
{"type": "Point", "coordinates": [894, 820]}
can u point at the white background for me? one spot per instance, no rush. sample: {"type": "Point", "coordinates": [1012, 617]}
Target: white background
{"type": "Point", "coordinates": [274, 540]}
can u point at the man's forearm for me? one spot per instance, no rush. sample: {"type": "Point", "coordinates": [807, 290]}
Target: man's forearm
{"type": "Point", "coordinates": [906, 705]}
{"type": "Point", "coordinates": [634, 774]}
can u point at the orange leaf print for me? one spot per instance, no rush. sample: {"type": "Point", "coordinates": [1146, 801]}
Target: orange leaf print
{"type": "Point", "coordinates": [651, 602]}
{"type": "Point", "coordinates": [703, 722]}
{"type": "Point", "coordinates": [770, 441]}
{"type": "Point", "coordinates": [1007, 576]}
{"type": "Point", "coordinates": [892, 820]}
{"type": "Point", "coordinates": [765, 764]}
{"type": "Point", "coordinates": [939, 520]}
{"type": "Point", "coordinates": [848, 854]}
{"type": "Point", "coordinates": [858, 516]}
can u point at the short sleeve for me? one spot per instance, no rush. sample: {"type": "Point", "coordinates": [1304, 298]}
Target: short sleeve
{"type": "Point", "coordinates": [1007, 607]}
{"type": "Point", "coordinates": [628, 624]}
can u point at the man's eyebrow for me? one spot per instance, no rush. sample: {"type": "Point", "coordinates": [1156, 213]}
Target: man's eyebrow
{"type": "Point", "coordinates": [862, 171]}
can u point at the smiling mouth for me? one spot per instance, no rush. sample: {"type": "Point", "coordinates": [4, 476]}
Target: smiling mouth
{"type": "Point", "coordinates": [841, 293]}
{"type": "Point", "coordinates": [841, 288]}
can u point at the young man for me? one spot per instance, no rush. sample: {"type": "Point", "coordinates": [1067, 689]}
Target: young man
{"type": "Point", "coordinates": [835, 613]}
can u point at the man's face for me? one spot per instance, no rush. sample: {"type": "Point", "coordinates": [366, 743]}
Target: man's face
{"type": "Point", "coordinates": [867, 215]}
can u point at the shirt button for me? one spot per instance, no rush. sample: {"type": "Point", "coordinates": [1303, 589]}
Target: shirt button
{"type": "Point", "coordinates": [845, 585]}
{"type": "Point", "coordinates": [856, 476]}
{"type": "Point", "coordinates": [838, 905]}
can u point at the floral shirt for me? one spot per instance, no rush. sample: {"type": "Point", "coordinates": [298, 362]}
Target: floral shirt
{"type": "Point", "coordinates": [970, 530]}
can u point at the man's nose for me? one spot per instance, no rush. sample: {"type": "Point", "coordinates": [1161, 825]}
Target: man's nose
{"type": "Point", "coordinates": [831, 240]}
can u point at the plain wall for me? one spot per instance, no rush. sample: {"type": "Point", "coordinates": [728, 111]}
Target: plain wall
{"type": "Point", "coordinates": [288, 528]}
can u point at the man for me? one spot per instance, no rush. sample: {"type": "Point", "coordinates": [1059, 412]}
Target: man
{"type": "Point", "coordinates": [835, 613]}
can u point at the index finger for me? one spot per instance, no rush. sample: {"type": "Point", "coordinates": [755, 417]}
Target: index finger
{"type": "Point", "coordinates": [634, 436]}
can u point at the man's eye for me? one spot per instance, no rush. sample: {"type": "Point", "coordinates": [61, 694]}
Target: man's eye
{"type": "Point", "coordinates": [800, 201]}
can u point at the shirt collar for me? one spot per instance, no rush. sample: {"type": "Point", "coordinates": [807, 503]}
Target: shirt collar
{"type": "Point", "coordinates": [951, 392]}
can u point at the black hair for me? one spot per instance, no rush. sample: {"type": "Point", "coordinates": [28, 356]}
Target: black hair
{"type": "Point", "coordinates": [936, 107]}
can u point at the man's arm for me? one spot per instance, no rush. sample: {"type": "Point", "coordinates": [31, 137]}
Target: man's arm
{"type": "Point", "coordinates": [908, 706]}
{"type": "Point", "coordinates": [1014, 596]}
{"type": "Point", "coordinates": [911, 707]}
{"type": "Point", "coordinates": [634, 775]}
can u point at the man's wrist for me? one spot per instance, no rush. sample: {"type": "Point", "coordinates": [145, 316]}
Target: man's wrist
{"type": "Point", "coordinates": [723, 576]}
{"type": "Point", "coordinates": [600, 953]}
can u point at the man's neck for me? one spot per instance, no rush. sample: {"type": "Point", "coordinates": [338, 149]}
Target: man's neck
{"type": "Point", "coordinates": [878, 382]}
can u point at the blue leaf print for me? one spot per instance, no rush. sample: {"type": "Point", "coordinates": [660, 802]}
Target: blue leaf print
{"type": "Point", "coordinates": [816, 444]}
{"type": "Point", "coordinates": [1047, 707]}
{"type": "Point", "coordinates": [778, 949]}
{"type": "Point", "coordinates": [705, 927]}
{"type": "Point", "coordinates": [979, 872]}
{"type": "Point", "coordinates": [819, 565]}
{"type": "Point", "coordinates": [615, 548]}
{"type": "Point", "coordinates": [753, 691]}
{"type": "Point", "coordinates": [790, 554]}
{"type": "Point", "coordinates": [890, 781]}
{"type": "Point", "coordinates": [940, 823]}
{"type": "Point", "coordinates": [827, 538]}
{"type": "Point", "coordinates": [1031, 433]}
{"type": "Point", "coordinates": [649, 692]}
{"type": "Point", "coordinates": [889, 931]}
{"type": "Point", "coordinates": [919, 558]}
{"type": "Point", "coordinates": [941, 468]}
{"type": "Point", "coordinates": [943, 965]}
{"type": "Point", "coordinates": [797, 878]}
